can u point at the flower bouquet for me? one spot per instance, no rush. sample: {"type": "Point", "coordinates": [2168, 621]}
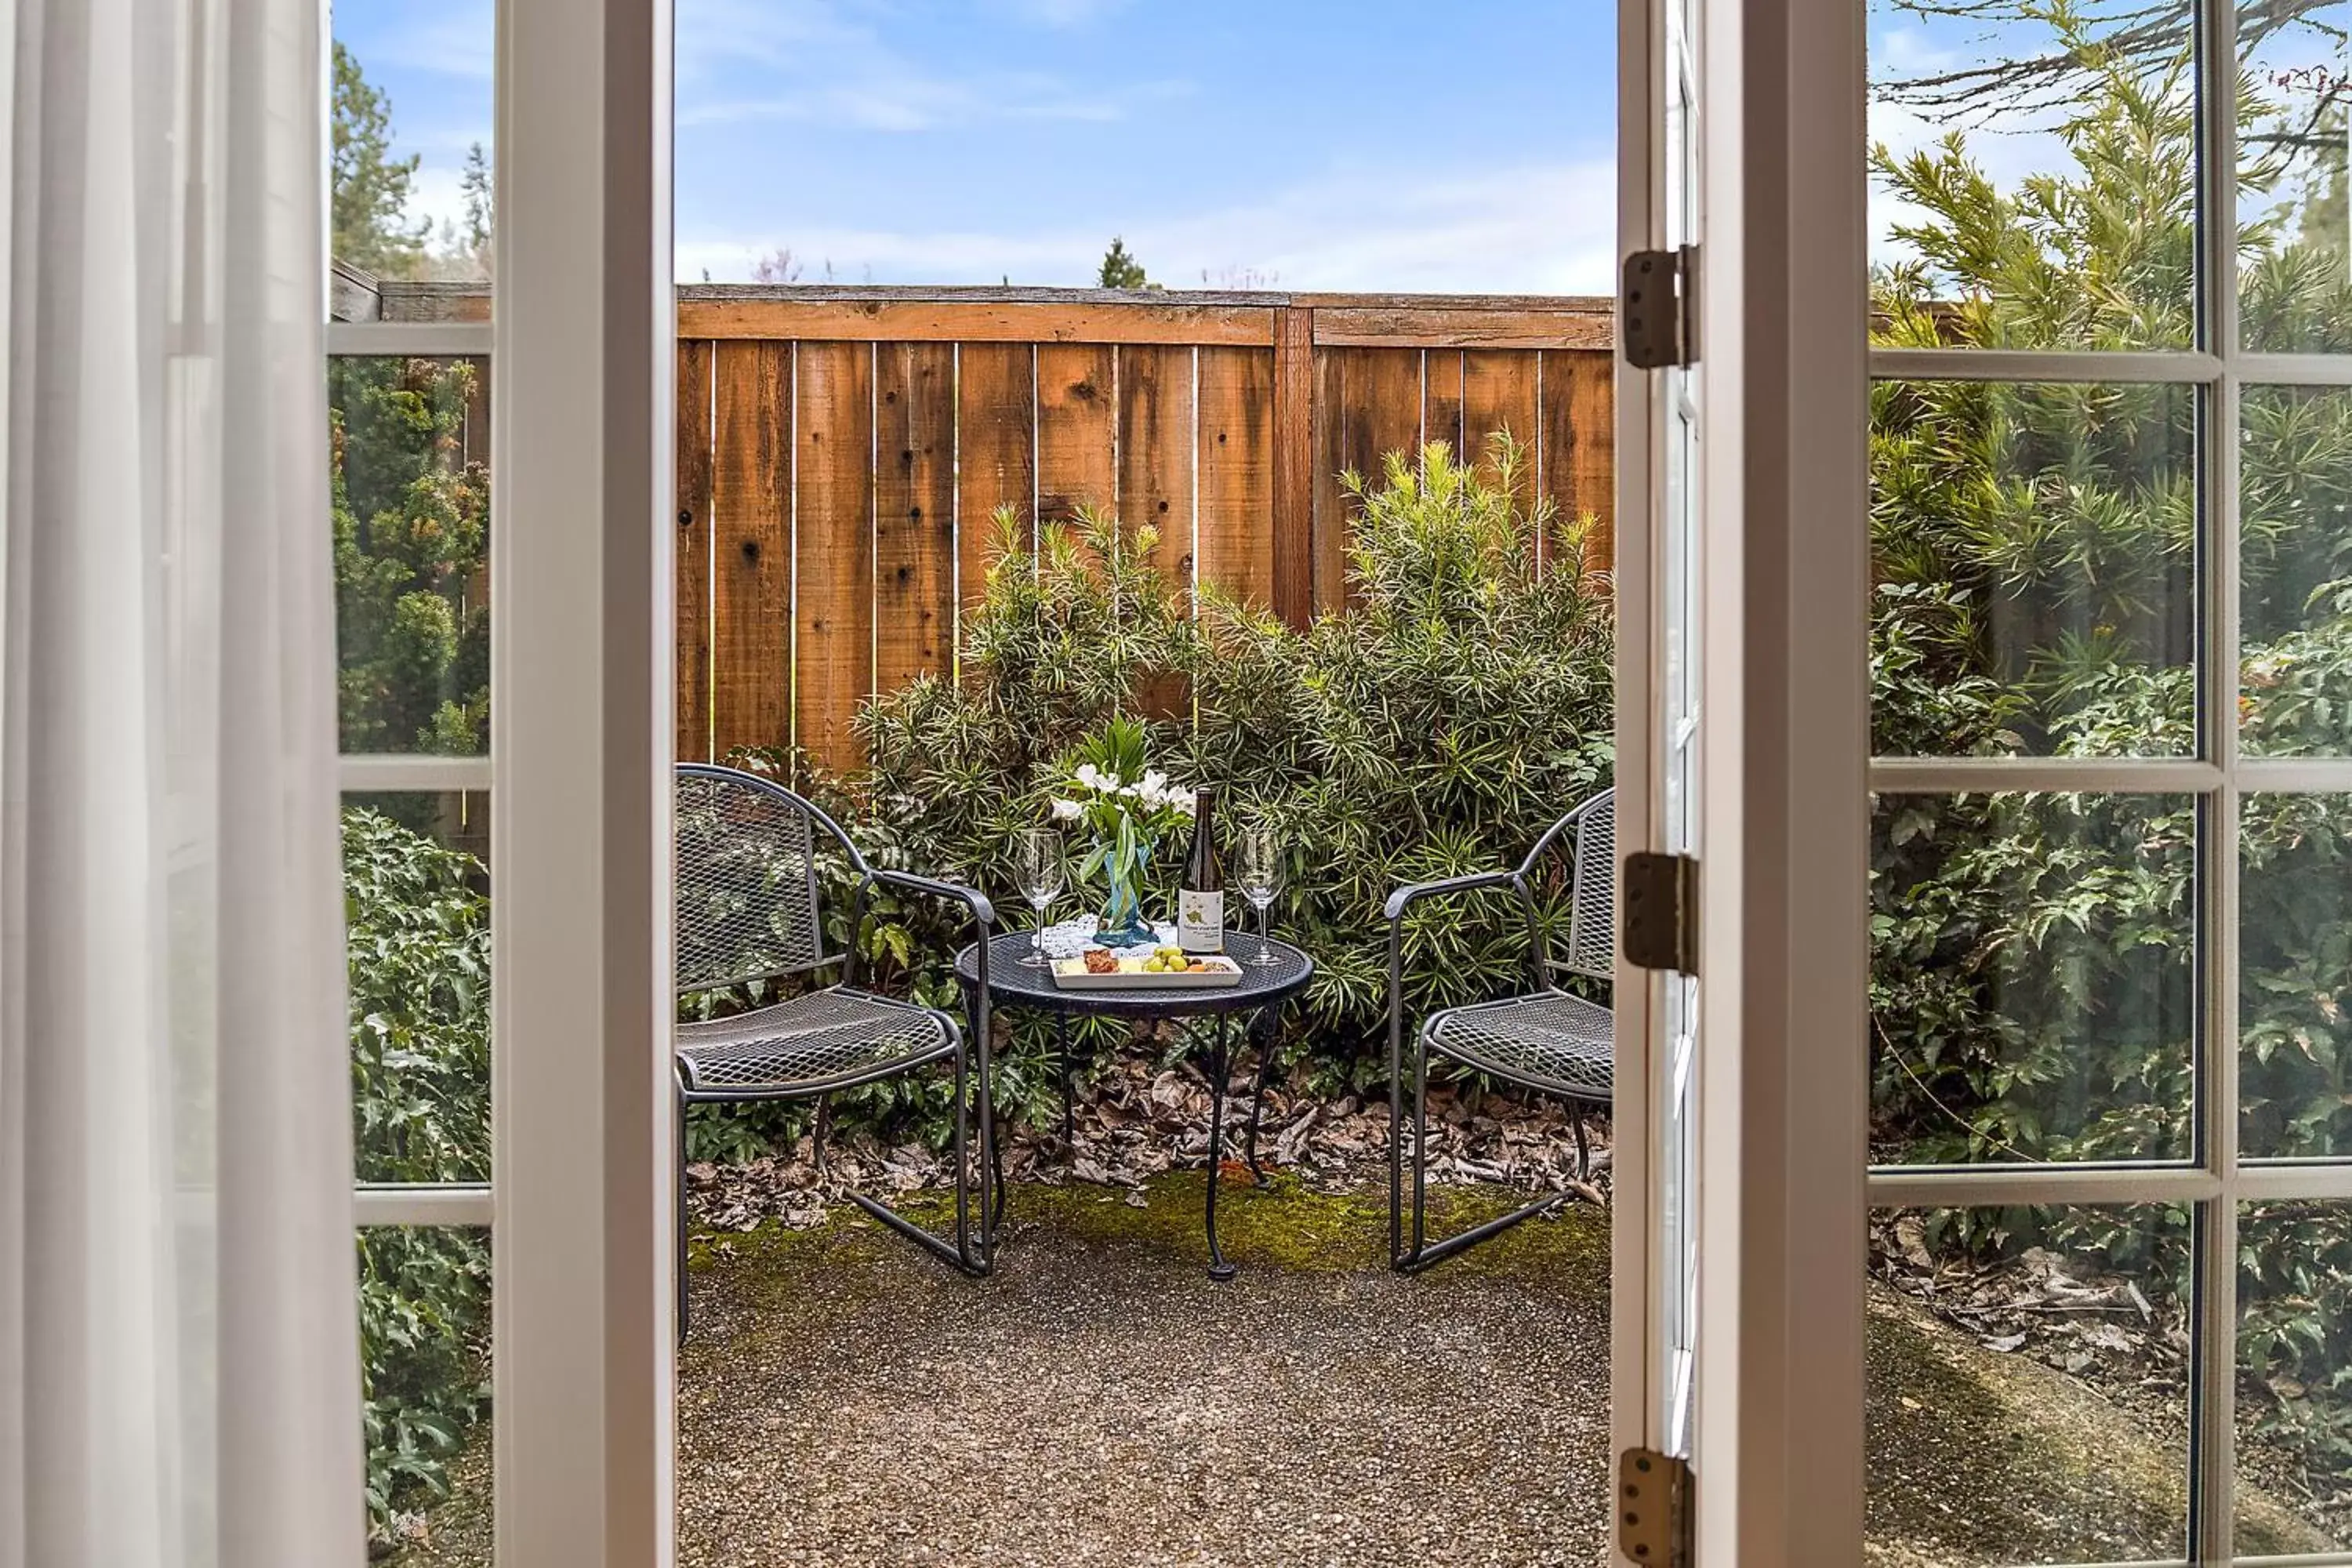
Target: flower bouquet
{"type": "Point", "coordinates": [1128, 806]}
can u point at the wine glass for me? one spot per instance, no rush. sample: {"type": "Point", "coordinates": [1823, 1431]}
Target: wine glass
{"type": "Point", "coordinates": [1261, 877]}
{"type": "Point", "coordinates": [1037, 862]}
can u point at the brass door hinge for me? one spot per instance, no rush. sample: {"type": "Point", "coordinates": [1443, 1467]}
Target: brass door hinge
{"type": "Point", "coordinates": [1654, 1508]}
{"type": "Point", "coordinates": [1660, 917]}
{"type": "Point", "coordinates": [1657, 303]}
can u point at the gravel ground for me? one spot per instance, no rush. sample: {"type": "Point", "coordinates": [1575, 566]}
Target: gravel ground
{"type": "Point", "coordinates": [844, 1401]}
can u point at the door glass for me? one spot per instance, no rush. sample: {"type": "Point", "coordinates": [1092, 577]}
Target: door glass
{"type": "Point", "coordinates": [2028, 1386]}
{"type": "Point", "coordinates": [2294, 1374]}
{"type": "Point", "coordinates": [425, 1388]}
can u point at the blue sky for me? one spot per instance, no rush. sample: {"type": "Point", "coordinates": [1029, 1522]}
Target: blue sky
{"type": "Point", "coordinates": [1296, 143]}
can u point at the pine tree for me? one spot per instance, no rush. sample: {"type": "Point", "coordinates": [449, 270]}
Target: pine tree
{"type": "Point", "coordinates": [371, 187]}
{"type": "Point", "coordinates": [475, 185]}
{"type": "Point", "coordinates": [1120, 270]}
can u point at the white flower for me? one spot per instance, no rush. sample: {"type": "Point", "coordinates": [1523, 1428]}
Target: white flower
{"type": "Point", "coordinates": [1155, 785]}
{"type": "Point", "coordinates": [1091, 776]}
{"type": "Point", "coordinates": [1181, 802]}
{"type": "Point", "coordinates": [1068, 810]}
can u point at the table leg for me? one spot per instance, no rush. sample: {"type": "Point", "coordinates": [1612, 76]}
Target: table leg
{"type": "Point", "coordinates": [1062, 1038]}
{"type": "Point", "coordinates": [1263, 1027]}
{"type": "Point", "coordinates": [992, 1156]}
{"type": "Point", "coordinates": [1219, 1269]}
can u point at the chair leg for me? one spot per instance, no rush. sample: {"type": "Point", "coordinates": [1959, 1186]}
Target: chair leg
{"type": "Point", "coordinates": [1583, 1148]}
{"type": "Point", "coordinates": [960, 1251]}
{"type": "Point", "coordinates": [1420, 1144]}
{"type": "Point", "coordinates": [678, 1219]}
{"type": "Point", "coordinates": [1426, 1254]}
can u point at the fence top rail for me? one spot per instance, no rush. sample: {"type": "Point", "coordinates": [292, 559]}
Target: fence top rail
{"type": "Point", "coordinates": [828, 312]}
{"type": "Point", "coordinates": [1265, 298]}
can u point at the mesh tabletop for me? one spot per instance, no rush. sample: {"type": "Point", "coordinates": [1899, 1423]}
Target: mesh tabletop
{"type": "Point", "coordinates": [1010, 984]}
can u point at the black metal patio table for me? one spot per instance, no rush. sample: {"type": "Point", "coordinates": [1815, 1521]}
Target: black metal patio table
{"type": "Point", "coordinates": [1262, 989]}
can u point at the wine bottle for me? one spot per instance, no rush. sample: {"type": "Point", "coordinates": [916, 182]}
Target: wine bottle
{"type": "Point", "coordinates": [1200, 898]}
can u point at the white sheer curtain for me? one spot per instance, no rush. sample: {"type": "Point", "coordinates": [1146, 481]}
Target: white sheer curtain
{"type": "Point", "coordinates": [179, 1370]}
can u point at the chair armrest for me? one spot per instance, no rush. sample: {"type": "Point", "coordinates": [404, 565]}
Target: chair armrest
{"type": "Point", "coordinates": [1405, 898]}
{"type": "Point", "coordinates": [953, 892]}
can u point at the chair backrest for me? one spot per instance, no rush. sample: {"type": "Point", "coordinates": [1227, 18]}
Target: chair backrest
{"type": "Point", "coordinates": [747, 879]}
{"type": "Point", "coordinates": [1592, 889]}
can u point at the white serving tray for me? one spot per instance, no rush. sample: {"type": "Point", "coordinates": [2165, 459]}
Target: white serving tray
{"type": "Point", "coordinates": [1072, 975]}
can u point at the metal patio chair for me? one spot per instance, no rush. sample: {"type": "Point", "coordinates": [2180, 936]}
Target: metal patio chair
{"type": "Point", "coordinates": [750, 856]}
{"type": "Point", "coordinates": [1548, 1039]}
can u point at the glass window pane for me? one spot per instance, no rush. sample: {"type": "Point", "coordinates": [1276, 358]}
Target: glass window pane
{"type": "Point", "coordinates": [2033, 980]}
{"type": "Point", "coordinates": [2033, 175]}
{"type": "Point", "coordinates": [2033, 549]}
{"type": "Point", "coordinates": [412, 117]}
{"type": "Point", "coordinates": [2295, 549]}
{"type": "Point", "coordinates": [2294, 1378]}
{"type": "Point", "coordinates": [2295, 975]}
{"type": "Point", "coordinates": [425, 1360]}
{"type": "Point", "coordinates": [2292, 288]}
{"type": "Point", "coordinates": [411, 511]}
{"type": "Point", "coordinates": [416, 903]}
{"type": "Point", "coordinates": [2028, 1387]}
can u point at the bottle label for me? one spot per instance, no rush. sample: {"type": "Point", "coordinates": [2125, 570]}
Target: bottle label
{"type": "Point", "coordinates": [1200, 921]}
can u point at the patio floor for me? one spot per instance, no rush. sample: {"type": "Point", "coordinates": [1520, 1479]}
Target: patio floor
{"type": "Point", "coordinates": [1100, 1401]}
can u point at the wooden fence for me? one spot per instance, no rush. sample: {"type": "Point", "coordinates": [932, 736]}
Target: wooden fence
{"type": "Point", "coordinates": [840, 452]}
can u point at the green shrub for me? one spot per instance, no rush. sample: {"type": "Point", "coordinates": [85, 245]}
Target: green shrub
{"type": "Point", "coordinates": [1459, 705]}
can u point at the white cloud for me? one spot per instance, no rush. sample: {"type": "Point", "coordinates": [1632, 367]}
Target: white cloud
{"type": "Point", "coordinates": [1057, 13]}
{"type": "Point", "coordinates": [451, 37]}
{"type": "Point", "coordinates": [815, 61]}
{"type": "Point", "coordinates": [435, 193]}
{"type": "Point", "coordinates": [1542, 228]}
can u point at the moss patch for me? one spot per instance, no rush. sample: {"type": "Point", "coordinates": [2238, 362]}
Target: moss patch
{"type": "Point", "coordinates": [1285, 1225]}
{"type": "Point", "coordinates": [1291, 1226]}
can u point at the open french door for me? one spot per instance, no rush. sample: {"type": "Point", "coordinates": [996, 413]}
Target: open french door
{"type": "Point", "coordinates": [1660, 753]}
{"type": "Point", "coordinates": [1742, 701]}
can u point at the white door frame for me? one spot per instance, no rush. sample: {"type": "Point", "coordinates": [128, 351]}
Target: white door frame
{"type": "Point", "coordinates": [1778, 1447]}
{"type": "Point", "coordinates": [584, 329]}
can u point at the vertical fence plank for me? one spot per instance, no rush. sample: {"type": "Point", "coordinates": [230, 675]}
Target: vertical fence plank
{"type": "Point", "coordinates": [1367, 405]}
{"type": "Point", "coordinates": [1234, 544]}
{"type": "Point", "coordinates": [1156, 428]}
{"type": "Point", "coordinates": [1498, 396]}
{"type": "Point", "coordinates": [996, 411]}
{"type": "Point", "coordinates": [833, 618]}
{"type": "Point", "coordinates": [1442, 392]}
{"type": "Point", "coordinates": [1155, 451]}
{"type": "Point", "coordinates": [914, 511]}
{"type": "Point", "coordinates": [1293, 433]}
{"type": "Point", "coordinates": [1580, 445]}
{"type": "Point", "coordinates": [693, 564]}
{"type": "Point", "coordinates": [751, 541]}
{"type": "Point", "coordinates": [1076, 427]}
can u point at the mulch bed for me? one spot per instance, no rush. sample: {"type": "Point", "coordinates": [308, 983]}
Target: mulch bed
{"type": "Point", "coordinates": [1138, 1121]}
